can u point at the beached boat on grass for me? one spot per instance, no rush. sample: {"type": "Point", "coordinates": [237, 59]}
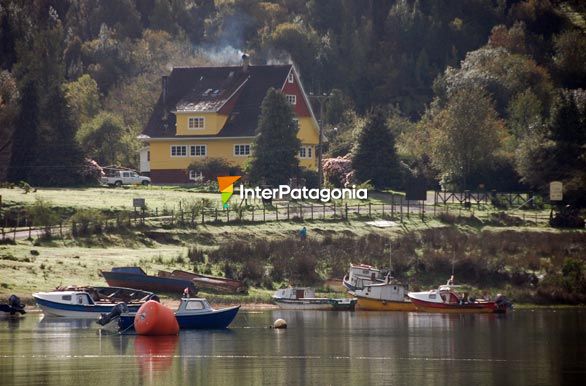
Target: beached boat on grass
{"type": "Point", "coordinates": [303, 298]}
{"type": "Point", "coordinates": [208, 283]}
{"type": "Point", "coordinates": [361, 275]}
{"type": "Point", "coordinates": [135, 277]}
{"type": "Point", "coordinates": [89, 302]}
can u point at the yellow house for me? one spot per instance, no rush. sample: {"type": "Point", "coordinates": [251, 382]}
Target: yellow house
{"type": "Point", "coordinates": [213, 112]}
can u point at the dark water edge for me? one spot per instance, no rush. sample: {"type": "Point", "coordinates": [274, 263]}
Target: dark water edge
{"type": "Point", "coordinates": [526, 347]}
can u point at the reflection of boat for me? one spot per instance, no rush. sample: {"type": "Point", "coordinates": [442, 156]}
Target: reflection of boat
{"type": "Point", "coordinates": [14, 307]}
{"type": "Point", "coordinates": [193, 313]}
{"type": "Point", "coordinates": [135, 277]}
{"type": "Point", "coordinates": [446, 300]}
{"type": "Point", "coordinates": [303, 298]}
{"type": "Point", "coordinates": [361, 275]}
{"type": "Point", "coordinates": [89, 302]}
{"type": "Point", "coordinates": [387, 296]}
{"type": "Point", "coordinates": [210, 283]}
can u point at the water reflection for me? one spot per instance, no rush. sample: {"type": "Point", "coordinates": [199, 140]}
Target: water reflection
{"type": "Point", "coordinates": [154, 354]}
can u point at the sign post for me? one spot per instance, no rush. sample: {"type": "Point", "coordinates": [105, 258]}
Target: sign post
{"type": "Point", "coordinates": [556, 191]}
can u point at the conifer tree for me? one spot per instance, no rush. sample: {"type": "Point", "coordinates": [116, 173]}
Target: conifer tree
{"type": "Point", "coordinates": [276, 145]}
{"type": "Point", "coordinates": [374, 158]}
{"type": "Point", "coordinates": [25, 137]}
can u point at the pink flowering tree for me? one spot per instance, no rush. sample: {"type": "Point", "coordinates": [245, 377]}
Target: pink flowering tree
{"type": "Point", "coordinates": [338, 171]}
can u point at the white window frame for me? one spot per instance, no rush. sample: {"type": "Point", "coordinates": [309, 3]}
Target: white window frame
{"type": "Point", "coordinates": [193, 150]}
{"type": "Point", "coordinates": [292, 99]}
{"type": "Point", "coordinates": [182, 153]}
{"type": "Point", "coordinates": [241, 147]}
{"type": "Point", "coordinates": [196, 123]}
{"type": "Point", "coordinates": [195, 175]}
{"type": "Point", "coordinates": [306, 152]}
{"type": "Point", "coordinates": [291, 78]}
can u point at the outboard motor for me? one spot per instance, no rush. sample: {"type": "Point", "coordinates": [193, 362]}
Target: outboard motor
{"type": "Point", "coordinates": [503, 303]}
{"type": "Point", "coordinates": [15, 303]}
{"type": "Point", "coordinates": [118, 310]}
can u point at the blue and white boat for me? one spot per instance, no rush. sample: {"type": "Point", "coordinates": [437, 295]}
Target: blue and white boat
{"type": "Point", "coordinates": [89, 302]}
{"type": "Point", "coordinates": [192, 314]}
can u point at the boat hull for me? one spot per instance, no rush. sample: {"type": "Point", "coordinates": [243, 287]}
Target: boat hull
{"type": "Point", "coordinates": [470, 308]}
{"type": "Point", "coordinates": [367, 304]}
{"type": "Point", "coordinates": [80, 311]}
{"type": "Point", "coordinates": [147, 283]}
{"type": "Point", "coordinates": [317, 304]}
{"type": "Point", "coordinates": [217, 319]}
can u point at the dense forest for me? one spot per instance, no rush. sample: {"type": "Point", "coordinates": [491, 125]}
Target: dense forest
{"type": "Point", "coordinates": [474, 93]}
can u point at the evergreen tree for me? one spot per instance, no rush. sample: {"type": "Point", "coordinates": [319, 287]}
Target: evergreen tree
{"type": "Point", "coordinates": [25, 137]}
{"type": "Point", "coordinates": [276, 145]}
{"type": "Point", "coordinates": [374, 157]}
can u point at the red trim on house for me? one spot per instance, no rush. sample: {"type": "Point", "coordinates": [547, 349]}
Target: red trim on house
{"type": "Point", "coordinates": [301, 109]}
{"type": "Point", "coordinates": [169, 176]}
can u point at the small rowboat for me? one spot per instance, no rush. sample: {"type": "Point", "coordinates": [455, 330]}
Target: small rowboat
{"type": "Point", "coordinates": [303, 298]}
{"type": "Point", "coordinates": [446, 300]}
{"type": "Point", "coordinates": [14, 307]}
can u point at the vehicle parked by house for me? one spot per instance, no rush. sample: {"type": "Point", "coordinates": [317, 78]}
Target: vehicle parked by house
{"type": "Point", "coordinates": [122, 176]}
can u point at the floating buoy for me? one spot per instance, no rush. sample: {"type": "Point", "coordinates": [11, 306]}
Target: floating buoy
{"type": "Point", "coordinates": [153, 318]}
{"type": "Point", "coordinates": [280, 323]}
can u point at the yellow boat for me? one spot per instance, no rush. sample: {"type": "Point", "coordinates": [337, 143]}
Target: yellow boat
{"type": "Point", "coordinates": [388, 296]}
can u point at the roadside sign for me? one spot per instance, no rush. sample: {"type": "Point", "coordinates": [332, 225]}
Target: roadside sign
{"type": "Point", "coordinates": [138, 202]}
{"type": "Point", "coordinates": [556, 191]}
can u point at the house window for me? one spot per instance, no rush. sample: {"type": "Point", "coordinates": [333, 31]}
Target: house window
{"type": "Point", "coordinates": [196, 123]}
{"type": "Point", "coordinates": [179, 151]}
{"type": "Point", "coordinates": [305, 152]}
{"type": "Point", "coordinates": [195, 175]}
{"type": "Point", "coordinates": [198, 150]}
{"type": "Point", "coordinates": [242, 150]}
{"type": "Point", "coordinates": [292, 99]}
{"type": "Point", "coordinates": [290, 78]}
{"type": "Point", "coordinates": [296, 123]}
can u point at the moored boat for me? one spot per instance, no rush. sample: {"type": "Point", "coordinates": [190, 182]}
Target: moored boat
{"type": "Point", "coordinates": [388, 296]}
{"type": "Point", "coordinates": [445, 299]}
{"type": "Point", "coordinates": [303, 298]}
{"type": "Point", "coordinates": [14, 307]}
{"type": "Point", "coordinates": [210, 283]}
{"type": "Point", "coordinates": [89, 302]}
{"type": "Point", "coordinates": [361, 275]}
{"type": "Point", "coordinates": [135, 277]}
{"type": "Point", "coordinates": [192, 313]}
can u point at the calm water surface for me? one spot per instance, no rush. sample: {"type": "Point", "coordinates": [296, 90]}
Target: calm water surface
{"type": "Point", "coordinates": [541, 347]}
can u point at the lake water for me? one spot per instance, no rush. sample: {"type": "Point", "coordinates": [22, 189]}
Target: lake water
{"type": "Point", "coordinates": [541, 347]}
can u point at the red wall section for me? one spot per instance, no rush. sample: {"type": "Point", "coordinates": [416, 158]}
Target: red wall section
{"type": "Point", "coordinates": [301, 108]}
{"type": "Point", "coordinates": [169, 176]}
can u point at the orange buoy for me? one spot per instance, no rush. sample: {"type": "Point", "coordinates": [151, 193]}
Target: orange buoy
{"type": "Point", "coordinates": [153, 318]}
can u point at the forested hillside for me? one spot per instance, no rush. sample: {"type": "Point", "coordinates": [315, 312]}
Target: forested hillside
{"type": "Point", "coordinates": [476, 93]}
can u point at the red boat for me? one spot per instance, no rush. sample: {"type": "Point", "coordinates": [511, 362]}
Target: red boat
{"type": "Point", "coordinates": [446, 300]}
{"type": "Point", "coordinates": [208, 283]}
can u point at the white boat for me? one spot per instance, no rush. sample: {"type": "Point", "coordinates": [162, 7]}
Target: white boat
{"type": "Point", "coordinates": [89, 302]}
{"type": "Point", "coordinates": [361, 275]}
{"type": "Point", "coordinates": [303, 298]}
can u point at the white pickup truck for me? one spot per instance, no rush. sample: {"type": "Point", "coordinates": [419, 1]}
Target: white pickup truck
{"type": "Point", "coordinates": [124, 177]}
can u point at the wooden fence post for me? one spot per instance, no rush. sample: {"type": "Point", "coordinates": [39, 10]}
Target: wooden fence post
{"type": "Point", "coordinates": [227, 215]}
{"type": "Point", "coordinates": [287, 211]}
{"type": "Point", "coordinates": [346, 210]}
{"type": "Point", "coordinates": [277, 212]}
{"type": "Point", "coordinates": [401, 207]}
{"type": "Point", "coordinates": [334, 209]}
{"type": "Point", "coordinates": [312, 211]}
{"type": "Point", "coordinates": [369, 210]}
{"type": "Point", "coordinates": [383, 207]}
{"type": "Point", "coordinates": [264, 217]}
{"type": "Point", "coordinates": [408, 208]}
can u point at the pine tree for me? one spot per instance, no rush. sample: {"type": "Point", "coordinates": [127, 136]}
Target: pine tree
{"type": "Point", "coordinates": [276, 145]}
{"type": "Point", "coordinates": [25, 137]}
{"type": "Point", "coordinates": [374, 158]}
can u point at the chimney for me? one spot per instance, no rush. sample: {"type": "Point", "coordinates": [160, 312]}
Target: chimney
{"type": "Point", "coordinates": [164, 87]}
{"type": "Point", "coordinates": [245, 62]}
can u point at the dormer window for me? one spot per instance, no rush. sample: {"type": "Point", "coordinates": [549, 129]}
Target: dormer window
{"type": "Point", "coordinates": [290, 78]}
{"type": "Point", "coordinates": [292, 99]}
{"type": "Point", "coordinates": [195, 123]}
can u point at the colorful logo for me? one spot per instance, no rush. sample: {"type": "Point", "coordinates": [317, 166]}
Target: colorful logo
{"type": "Point", "coordinates": [226, 185]}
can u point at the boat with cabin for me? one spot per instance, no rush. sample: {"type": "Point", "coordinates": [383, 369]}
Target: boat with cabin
{"type": "Point", "coordinates": [89, 302]}
{"type": "Point", "coordinates": [446, 299]}
{"type": "Point", "coordinates": [192, 313]}
{"type": "Point", "coordinates": [135, 277]}
{"type": "Point", "coordinates": [388, 296]}
{"type": "Point", "coordinates": [303, 298]}
{"type": "Point", "coordinates": [361, 275]}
